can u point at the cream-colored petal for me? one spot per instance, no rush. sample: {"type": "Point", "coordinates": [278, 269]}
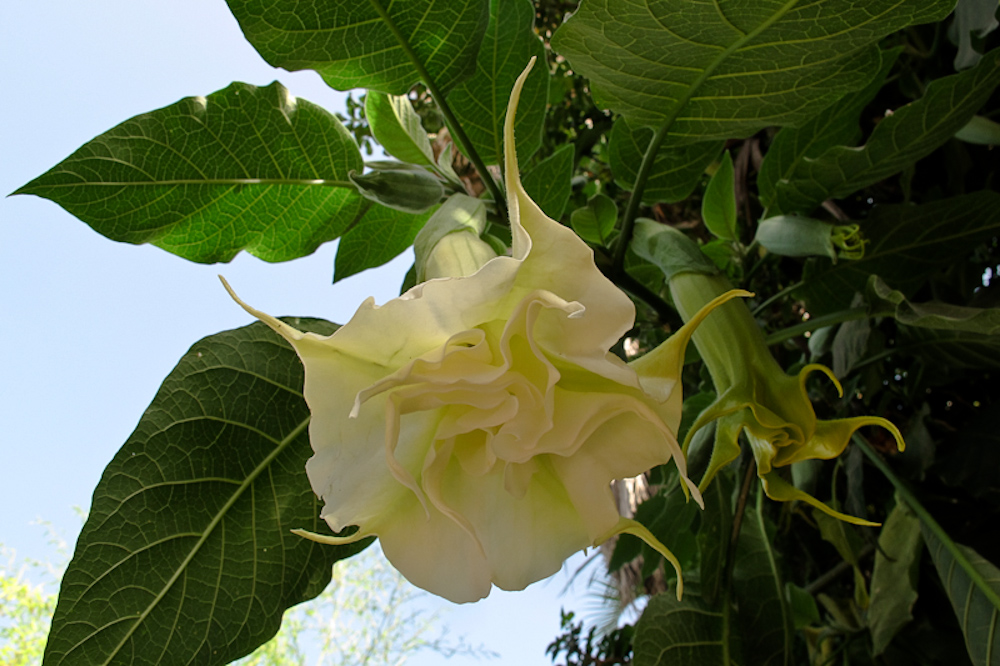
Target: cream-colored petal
{"type": "Point", "coordinates": [435, 554]}
{"type": "Point", "coordinates": [556, 259]}
{"type": "Point", "coordinates": [525, 539]}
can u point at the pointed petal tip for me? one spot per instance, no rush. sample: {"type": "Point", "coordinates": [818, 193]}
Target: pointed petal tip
{"type": "Point", "coordinates": [331, 540]}
{"type": "Point", "coordinates": [281, 328]}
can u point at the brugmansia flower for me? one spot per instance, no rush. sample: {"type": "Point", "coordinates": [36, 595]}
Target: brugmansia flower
{"type": "Point", "coordinates": [474, 423]}
{"type": "Point", "coordinates": [758, 398]}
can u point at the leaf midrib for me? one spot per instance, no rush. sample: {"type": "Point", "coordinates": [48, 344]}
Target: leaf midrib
{"type": "Point", "coordinates": [203, 181]}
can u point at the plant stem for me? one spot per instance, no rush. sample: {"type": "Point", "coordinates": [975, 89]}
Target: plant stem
{"type": "Point", "coordinates": [815, 323]}
{"type": "Point", "coordinates": [734, 537]}
{"type": "Point", "coordinates": [456, 128]}
{"type": "Point", "coordinates": [635, 199]}
{"type": "Point", "coordinates": [776, 296]}
{"type": "Point", "coordinates": [663, 311]}
{"type": "Point", "coordinates": [925, 517]}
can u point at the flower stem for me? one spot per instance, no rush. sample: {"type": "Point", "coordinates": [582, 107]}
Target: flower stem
{"type": "Point", "coordinates": [456, 128]}
{"type": "Point", "coordinates": [635, 199]}
{"type": "Point", "coordinates": [734, 537]}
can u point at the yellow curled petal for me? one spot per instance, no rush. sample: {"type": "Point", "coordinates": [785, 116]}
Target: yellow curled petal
{"type": "Point", "coordinates": [635, 528]}
{"type": "Point", "coordinates": [782, 491]}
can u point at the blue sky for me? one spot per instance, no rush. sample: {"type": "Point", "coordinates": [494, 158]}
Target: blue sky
{"type": "Point", "coordinates": [91, 326]}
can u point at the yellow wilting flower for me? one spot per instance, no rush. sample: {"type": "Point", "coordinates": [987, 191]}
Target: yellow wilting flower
{"type": "Point", "coordinates": [760, 399]}
{"type": "Point", "coordinates": [474, 424]}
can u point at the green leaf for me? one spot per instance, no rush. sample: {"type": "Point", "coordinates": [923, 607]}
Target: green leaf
{"type": "Point", "coordinates": [396, 126]}
{"type": "Point", "coordinates": [186, 556]}
{"type": "Point", "coordinates": [764, 618]}
{"type": "Point", "coordinates": [802, 606]}
{"type": "Point", "coordinates": [726, 69]}
{"type": "Point", "coordinates": [906, 244]}
{"type": "Point", "coordinates": [596, 222]}
{"type": "Point", "coordinates": [412, 190]}
{"type": "Point", "coordinates": [379, 237]}
{"type": "Point", "coordinates": [894, 579]}
{"type": "Point", "coordinates": [675, 172]}
{"type": "Point", "coordinates": [681, 633]}
{"type": "Point", "coordinates": [367, 44]}
{"type": "Point", "coordinates": [549, 183]}
{"type": "Point", "coordinates": [718, 207]}
{"type": "Point", "coordinates": [910, 133]}
{"type": "Point", "coordinates": [246, 168]}
{"type": "Point", "coordinates": [980, 130]}
{"type": "Point", "coordinates": [848, 544]}
{"type": "Point", "coordinates": [974, 591]}
{"type": "Point", "coordinates": [886, 300]}
{"type": "Point", "coordinates": [836, 125]}
{"type": "Point", "coordinates": [668, 249]}
{"type": "Point", "coordinates": [480, 102]}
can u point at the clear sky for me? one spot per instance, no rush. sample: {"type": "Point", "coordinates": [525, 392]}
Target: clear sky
{"type": "Point", "coordinates": [91, 327]}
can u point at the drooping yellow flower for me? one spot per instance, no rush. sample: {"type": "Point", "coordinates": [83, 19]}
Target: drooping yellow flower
{"type": "Point", "coordinates": [474, 423]}
{"type": "Point", "coordinates": [758, 398]}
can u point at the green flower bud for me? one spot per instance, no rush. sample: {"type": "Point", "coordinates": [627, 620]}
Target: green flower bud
{"type": "Point", "coordinates": [794, 236]}
{"type": "Point", "coordinates": [411, 190]}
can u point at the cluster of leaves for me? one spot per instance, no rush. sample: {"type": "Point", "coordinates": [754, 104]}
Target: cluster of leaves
{"type": "Point", "coordinates": [832, 113]}
{"type": "Point", "coordinates": [613, 648]}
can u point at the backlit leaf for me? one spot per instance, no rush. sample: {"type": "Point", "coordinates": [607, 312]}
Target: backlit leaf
{"type": "Point", "coordinates": [364, 44]}
{"type": "Point", "coordinates": [675, 172]}
{"type": "Point", "coordinates": [480, 102]}
{"type": "Point", "coordinates": [726, 69]}
{"type": "Point", "coordinates": [245, 168]}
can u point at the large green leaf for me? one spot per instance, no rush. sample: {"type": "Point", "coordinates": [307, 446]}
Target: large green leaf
{"type": "Point", "coordinates": [550, 182]}
{"type": "Point", "coordinates": [910, 133]}
{"type": "Point", "coordinates": [906, 243]}
{"type": "Point", "coordinates": [764, 618]}
{"type": "Point", "coordinates": [480, 102]}
{"type": "Point", "coordinates": [367, 43]}
{"type": "Point", "coordinates": [717, 70]}
{"type": "Point", "coordinates": [975, 595]}
{"type": "Point", "coordinates": [244, 168]}
{"type": "Point", "coordinates": [682, 633]}
{"type": "Point", "coordinates": [836, 125]}
{"type": "Point", "coordinates": [381, 235]}
{"type": "Point", "coordinates": [675, 172]}
{"type": "Point", "coordinates": [186, 557]}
